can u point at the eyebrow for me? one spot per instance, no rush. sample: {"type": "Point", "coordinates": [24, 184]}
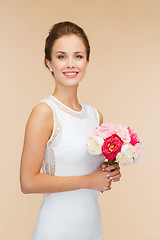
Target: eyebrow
{"type": "Point", "coordinates": [65, 52]}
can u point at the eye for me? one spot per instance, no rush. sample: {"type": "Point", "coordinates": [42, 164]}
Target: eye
{"type": "Point", "coordinates": [61, 57]}
{"type": "Point", "coordinates": [79, 56]}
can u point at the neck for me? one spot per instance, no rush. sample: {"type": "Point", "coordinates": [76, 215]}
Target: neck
{"type": "Point", "coordinates": [67, 95]}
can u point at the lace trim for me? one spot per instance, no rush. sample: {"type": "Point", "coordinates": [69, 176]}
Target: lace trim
{"type": "Point", "coordinates": [82, 114]}
{"type": "Point", "coordinates": [57, 129]}
{"type": "Point", "coordinates": [49, 164]}
{"type": "Point", "coordinates": [49, 169]}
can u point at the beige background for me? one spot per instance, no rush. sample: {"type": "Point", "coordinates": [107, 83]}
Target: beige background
{"type": "Point", "coordinates": [123, 82]}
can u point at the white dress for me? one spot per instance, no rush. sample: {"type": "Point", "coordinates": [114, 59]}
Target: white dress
{"type": "Point", "coordinates": [70, 215]}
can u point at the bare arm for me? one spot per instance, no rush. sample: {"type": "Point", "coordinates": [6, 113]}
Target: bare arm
{"type": "Point", "coordinates": [38, 131]}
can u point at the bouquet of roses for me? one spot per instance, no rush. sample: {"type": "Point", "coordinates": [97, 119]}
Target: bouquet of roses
{"type": "Point", "coordinates": [117, 143]}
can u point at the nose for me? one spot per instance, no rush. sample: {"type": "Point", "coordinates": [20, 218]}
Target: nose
{"type": "Point", "coordinates": [71, 62]}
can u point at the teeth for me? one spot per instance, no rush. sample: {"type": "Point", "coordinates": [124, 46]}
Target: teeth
{"type": "Point", "coordinates": [70, 73]}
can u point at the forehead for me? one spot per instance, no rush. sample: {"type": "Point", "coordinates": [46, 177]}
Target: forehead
{"type": "Point", "coordinates": [71, 43]}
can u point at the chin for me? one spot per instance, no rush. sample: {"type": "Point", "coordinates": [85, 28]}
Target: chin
{"type": "Point", "coordinates": [70, 82]}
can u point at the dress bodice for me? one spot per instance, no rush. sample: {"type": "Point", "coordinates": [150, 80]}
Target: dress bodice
{"type": "Point", "coordinates": [66, 152]}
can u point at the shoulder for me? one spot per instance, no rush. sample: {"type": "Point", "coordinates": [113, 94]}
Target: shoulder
{"type": "Point", "coordinates": [41, 115]}
{"type": "Point", "coordinates": [42, 110]}
{"type": "Point", "coordinates": [100, 117]}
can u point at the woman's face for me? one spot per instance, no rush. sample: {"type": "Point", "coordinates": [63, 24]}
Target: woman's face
{"type": "Point", "coordinates": [69, 61]}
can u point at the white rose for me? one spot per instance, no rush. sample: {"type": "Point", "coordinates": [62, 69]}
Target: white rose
{"type": "Point", "coordinates": [127, 155]}
{"type": "Point", "coordinates": [94, 145]}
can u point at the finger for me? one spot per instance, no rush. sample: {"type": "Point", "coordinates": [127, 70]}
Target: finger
{"type": "Point", "coordinates": [112, 174]}
{"type": "Point", "coordinates": [104, 165]}
{"type": "Point", "coordinates": [108, 181]}
{"type": "Point", "coordinates": [110, 168]}
{"type": "Point", "coordinates": [107, 188]}
{"type": "Point", "coordinates": [116, 165]}
{"type": "Point", "coordinates": [105, 169]}
{"type": "Point", "coordinates": [116, 178]}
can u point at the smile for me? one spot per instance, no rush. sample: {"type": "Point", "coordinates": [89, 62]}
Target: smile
{"type": "Point", "coordinates": [70, 74]}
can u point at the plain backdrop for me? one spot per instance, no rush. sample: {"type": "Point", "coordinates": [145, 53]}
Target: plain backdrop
{"type": "Point", "coordinates": [122, 81]}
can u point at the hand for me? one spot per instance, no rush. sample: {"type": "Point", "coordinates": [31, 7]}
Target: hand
{"type": "Point", "coordinates": [115, 174]}
{"type": "Point", "coordinates": [99, 181]}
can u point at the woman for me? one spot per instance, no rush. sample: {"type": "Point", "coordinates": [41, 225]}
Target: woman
{"type": "Point", "coordinates": [55, 139]}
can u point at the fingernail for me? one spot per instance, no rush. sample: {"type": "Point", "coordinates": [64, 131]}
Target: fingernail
{"type": "Point", "coordinates": [111, 178]}
{"type": "Point", "coordinates": [107, 175]}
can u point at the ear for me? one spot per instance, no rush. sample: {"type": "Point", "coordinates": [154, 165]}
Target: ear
{"type": "Point", "coordinates": [48, 64]}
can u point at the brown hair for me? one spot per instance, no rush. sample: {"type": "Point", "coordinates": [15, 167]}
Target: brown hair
{"type": "Point", "coordinates": [64, 29]}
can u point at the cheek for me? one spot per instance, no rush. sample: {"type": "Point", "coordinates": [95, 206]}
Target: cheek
{"type": "Point", "coordinates": [83, 66]}
{"type": "Point", "coordinates": [57, 66]}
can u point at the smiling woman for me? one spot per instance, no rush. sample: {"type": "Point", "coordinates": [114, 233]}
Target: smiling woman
{"type": "Point", "coordinates": [69, 59]}
{"type": "Point", "coordinates": [55, 140]}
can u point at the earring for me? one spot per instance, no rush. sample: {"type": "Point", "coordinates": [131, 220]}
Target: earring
{"type": "Point", "coordinates": [51, 69]}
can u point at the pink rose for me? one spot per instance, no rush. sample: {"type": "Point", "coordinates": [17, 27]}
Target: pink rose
{"type": "Point", "coordinates": [112, 146]}
{"type": "Point", "coordinates": [139, 151]}
{"type": "Point", "coordinates": [133, 136]}
{"type": "Point", "coordinates": [105, 130]}
{"type": "Point", "coordinates": [123, 133]}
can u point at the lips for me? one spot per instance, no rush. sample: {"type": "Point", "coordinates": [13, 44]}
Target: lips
{"type": "Point", "coordinates": [70, 73]}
